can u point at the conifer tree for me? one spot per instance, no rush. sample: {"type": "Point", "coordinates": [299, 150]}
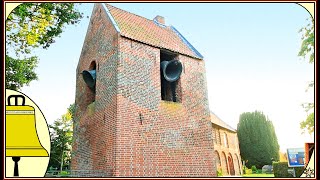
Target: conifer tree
{"type": "Point", "coordinates": [257, 139]}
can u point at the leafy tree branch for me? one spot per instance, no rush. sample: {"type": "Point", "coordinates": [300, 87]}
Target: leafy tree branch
{"type": "Point", "coordinates": [30, 26]}
{"type": "Point", "coordinates": [307, 51]}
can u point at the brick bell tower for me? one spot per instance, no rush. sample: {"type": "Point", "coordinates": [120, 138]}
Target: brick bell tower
{"type": "Point", "coordinates": [141, 100]}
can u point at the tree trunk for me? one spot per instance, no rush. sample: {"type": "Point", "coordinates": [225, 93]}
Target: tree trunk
{"type": "Point", "coordinates": [61, 163]}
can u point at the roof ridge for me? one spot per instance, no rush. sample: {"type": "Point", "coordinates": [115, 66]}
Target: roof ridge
{"type": "Point", "coordinates": [151, 20]}
{"type": "Point", "coordinates": [229, 127]}
{"type": "Point", "coordinates": [104, 5]}
{"type": "Point", "coordinates": [149, 31]}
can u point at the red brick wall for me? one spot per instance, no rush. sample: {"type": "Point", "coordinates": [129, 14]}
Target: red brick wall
{"type": "Point", "coordinates": [94, 124]}
{"type": "Point", "coordinates": [155, 137]}
{"type": "Point", "coordinates": [129, 130]}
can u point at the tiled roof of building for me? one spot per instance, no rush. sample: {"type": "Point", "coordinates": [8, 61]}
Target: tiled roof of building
{"type": "Point", "coordinates": [217, 121]}
{"type": "Point", "coordinates": [150, 32]}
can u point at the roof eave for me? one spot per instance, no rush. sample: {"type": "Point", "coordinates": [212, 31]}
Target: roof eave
{"type": "Point", "coordinates": [159, 47]}
{"type": "Point", "coordinates": [229, 129]}
{"type": "Point", "coordinates": [187, 42]}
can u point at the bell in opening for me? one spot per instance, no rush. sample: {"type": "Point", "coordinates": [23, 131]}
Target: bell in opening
{"type": "Point", "coordinates": [89, 78]}
{"type": "Point", "coordinates": [171, 70]}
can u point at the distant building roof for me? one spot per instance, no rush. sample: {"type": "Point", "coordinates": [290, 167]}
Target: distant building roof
{"type": "Point", "coordinates": [217, 121]}
{"type": "Point", "coordinates": [150, 32]}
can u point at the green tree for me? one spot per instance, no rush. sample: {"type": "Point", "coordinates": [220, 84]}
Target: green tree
{"type": "Point", "coordinates": [61, 133]}
{"type": "Point", "coordinates": [308, 124]}
{"type": "Point", "coordinates": [307, 41]}
{"type": "Point", "coordinates": [20, 71]}
{"type": "Point", "coordinates": [72, 109]}
{"type": "Point", "coordinates": [307, 51]}
{"type": "Point", "coordinates": [257, 139]}
{"type": "Point", "coordinates": [30, 26]}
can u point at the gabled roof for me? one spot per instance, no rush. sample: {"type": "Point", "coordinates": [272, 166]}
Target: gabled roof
{"type": "Point", "coordinates": [150, 32]}
{"type": "Point", "coordinates": [217, 121]}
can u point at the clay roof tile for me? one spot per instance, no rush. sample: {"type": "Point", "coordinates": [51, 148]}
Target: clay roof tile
{"type": "Point", "coordinates": [149, 32]}
{"type": "Point", "coordinates": [217, 121]}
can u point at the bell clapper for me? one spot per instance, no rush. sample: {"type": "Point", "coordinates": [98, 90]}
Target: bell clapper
{"type": "Point", "coordinates": [16, 169]}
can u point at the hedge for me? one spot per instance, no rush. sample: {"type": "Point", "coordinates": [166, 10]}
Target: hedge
{"type": "Point", "coordinates": [280, 169]}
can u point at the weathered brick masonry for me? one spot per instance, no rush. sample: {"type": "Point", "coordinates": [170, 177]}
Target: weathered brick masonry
{"type": "Point", "coordinates": [124, 128]}
{"type": "Point", "coordinates": [226, 147]}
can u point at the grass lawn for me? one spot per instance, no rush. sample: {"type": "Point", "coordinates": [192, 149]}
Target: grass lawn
{"type": "Point", "coordinates": [258, 175]}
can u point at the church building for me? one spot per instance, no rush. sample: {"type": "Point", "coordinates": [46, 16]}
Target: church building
{"type": "Point", "coordinates": [226, 147]}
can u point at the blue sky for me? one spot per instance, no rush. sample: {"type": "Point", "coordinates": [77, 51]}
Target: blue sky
{"type": "Point", "coordinates": [250, 51]}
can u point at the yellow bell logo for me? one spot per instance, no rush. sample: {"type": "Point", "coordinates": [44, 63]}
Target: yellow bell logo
{"type": "Point", "coordinates": [21, 134]}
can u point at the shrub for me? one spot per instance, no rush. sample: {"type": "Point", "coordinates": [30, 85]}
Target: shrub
{"type": "Point", "coordinates": [64, 174]}
{"type": "Point", "coordinates": [259, 171]}
{"type": "Point", "coordinates": [254, 169]}
{"type": "Point", "coordinates": [244, 169]}
{"type": "Point", "coordinates": [299, 171]}
{"type": "Point", "coordinates": [248, 171]}
{"type": "Point", "coordinates": [280, 169]}
{"type": "Point", "coordinates": [219, 172]}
